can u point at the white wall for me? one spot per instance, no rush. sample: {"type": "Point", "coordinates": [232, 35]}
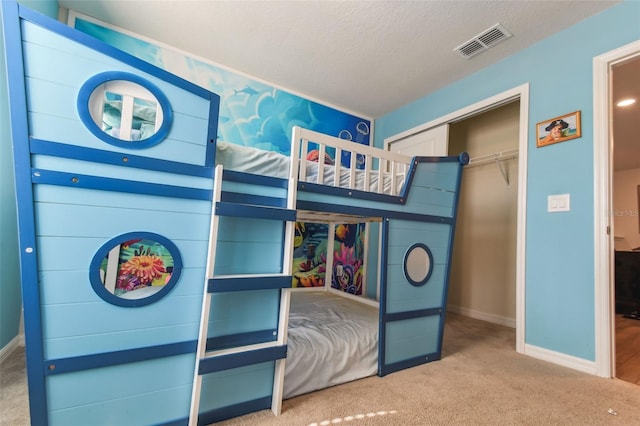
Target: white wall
{"type": "Point", "coordinates": [626, 223]}
{"type": "Point", "coordinates": [483, 276]}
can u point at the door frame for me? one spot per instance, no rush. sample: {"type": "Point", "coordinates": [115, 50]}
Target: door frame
{"type": "Point", "coordinates": [603, 204]}
{"type": "Point", "coordinates": [517, 93]}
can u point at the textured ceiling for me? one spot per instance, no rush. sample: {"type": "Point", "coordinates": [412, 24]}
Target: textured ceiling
{"type": "Point", "coordinates": [368, 57]}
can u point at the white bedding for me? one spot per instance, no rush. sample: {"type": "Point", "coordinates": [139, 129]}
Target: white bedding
{"type": "Point", "coordinates": [331, 340]}
{"type": "Point", "coordinates": [269, 163]}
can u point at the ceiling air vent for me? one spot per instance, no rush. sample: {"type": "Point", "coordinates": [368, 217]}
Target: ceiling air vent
{"type": "Point", "coordinates": [483, 41]}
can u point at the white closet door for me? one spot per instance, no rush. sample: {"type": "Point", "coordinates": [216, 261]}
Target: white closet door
{"type": "Point", "coordinates": [430, 142]}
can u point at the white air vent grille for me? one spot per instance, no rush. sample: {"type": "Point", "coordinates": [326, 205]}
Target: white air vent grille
{"type": "Point", "coordinates": [483, 41]}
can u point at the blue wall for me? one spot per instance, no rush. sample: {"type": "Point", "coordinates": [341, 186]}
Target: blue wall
{"type": "Point", "coordinates": [560, 281]}
{"type": "Point", "coordinates": [10, 300]}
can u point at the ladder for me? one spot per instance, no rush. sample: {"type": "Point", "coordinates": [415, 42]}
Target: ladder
{"type": "Point", "coordinates": [242, 354]}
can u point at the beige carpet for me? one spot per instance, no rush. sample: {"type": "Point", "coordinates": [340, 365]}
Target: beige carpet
{"type": "Point", "coordinates": [480, 380]}
{"type": "Point", "coordinates": [14, 400]}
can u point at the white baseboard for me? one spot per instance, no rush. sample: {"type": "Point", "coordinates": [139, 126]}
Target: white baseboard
{"type": "Point", "coordinates": [560, 359]}
{"type": "Point", "coordinates": [14, 344]}
{"type": "Point", "coordinates": [471, 313]}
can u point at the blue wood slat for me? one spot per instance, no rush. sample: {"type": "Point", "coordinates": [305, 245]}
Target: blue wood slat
{"type": "Point", "coordinates": [251, 189]}
{"type": "Point", "coordinates": [116, 158]}
{"type": "Point", "coordinates": [118, 200]}
{"type": "Point", "coordinates": [241, 339]}
{"type": "Point", "coordinates": [411, 314]}
{"type": "Point", "coordinates": [241, 359]}
{"type": "Point", "coordinates": [221, 284]}
{"type": "Point", "coordinates": [118, 185]}
{"type": "Point", "coordinates": [258, 212]}
{"type": "Point", "coordinates": [86, 362]}
{"type": "Point", "coordinates": [238, 198]}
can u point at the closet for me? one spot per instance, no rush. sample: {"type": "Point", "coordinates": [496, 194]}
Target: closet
{"type": "Point", "coordinates": [483, 275]}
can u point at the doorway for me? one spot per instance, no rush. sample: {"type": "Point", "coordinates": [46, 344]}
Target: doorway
{"type": "Point", "coordinates": [482, 284]}
{"type": "Point", "coordinates": [605, 227]}
{"type": "Point", "coordinates": [520, 93]}
{"type": "Point", "coordinates": [625, 85]}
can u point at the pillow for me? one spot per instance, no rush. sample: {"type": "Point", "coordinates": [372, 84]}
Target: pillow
{"type": "Point", "coordinates": [314, 154]}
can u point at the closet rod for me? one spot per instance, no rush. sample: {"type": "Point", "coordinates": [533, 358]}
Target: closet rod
{"type": "Point", "coordinates": [492, 158]}
{"type": "Point", "coordinates": [496, 158]}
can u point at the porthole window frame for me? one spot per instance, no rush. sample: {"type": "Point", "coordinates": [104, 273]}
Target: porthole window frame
{"type": "Point", "coordinates": [103, 251]}
{"type": "Point", "coordinates": [417, 283]}
{"type": "Point", "coordinates": [94, 82]}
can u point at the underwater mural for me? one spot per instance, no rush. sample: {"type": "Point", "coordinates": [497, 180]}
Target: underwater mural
{"type": "Point", "coordinates": [252, 113]}
{"type": "Point", "coordinates": [348, 258]}
{"type": "Point", "coordinates": [310, 256]}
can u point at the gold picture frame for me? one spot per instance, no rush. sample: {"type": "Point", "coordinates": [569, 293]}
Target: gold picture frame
{"type": "Point", "coordinates": [558, 129]}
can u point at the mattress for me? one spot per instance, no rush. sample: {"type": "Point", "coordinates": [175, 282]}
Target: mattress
{"type": "Point", "coordinates": [331, 340]}
{"type": "Point", "coordinates": [269, 163]}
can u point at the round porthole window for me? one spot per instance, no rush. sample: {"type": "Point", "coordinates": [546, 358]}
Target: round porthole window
{"type": "Point", "coordinates": [135, 269]}
{"type": "Point", "coordinates": [418, 264]}
{"type": "Point", "coordinates": [124, 109]}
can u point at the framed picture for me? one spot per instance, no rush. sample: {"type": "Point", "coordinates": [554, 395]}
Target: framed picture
{"type": "Point", "coordinates": [558, 129]}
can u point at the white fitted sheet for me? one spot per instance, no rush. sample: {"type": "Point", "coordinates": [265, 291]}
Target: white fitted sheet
{"type": "Point", "coordinates": [331, 340]}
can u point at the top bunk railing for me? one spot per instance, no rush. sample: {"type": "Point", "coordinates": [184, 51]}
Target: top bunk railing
{"type": "Point", "coordinates": [326, 160]}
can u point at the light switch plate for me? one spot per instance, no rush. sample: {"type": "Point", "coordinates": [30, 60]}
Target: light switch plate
{"type": "Point", "coordinates": [559, 203]}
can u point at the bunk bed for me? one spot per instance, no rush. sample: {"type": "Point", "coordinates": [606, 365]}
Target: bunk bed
{"type": "Point", "coordinates": [212, 340]}
{"type": "Point", "coordinates": [332, 336]}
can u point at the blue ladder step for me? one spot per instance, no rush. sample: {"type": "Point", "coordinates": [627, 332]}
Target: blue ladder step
{"type": "Point", "coordinates": [223, 284]}
{"type": "Point", "coordinates": [241, 359]}
{"type": "Point", "coordinates": [253, 211]}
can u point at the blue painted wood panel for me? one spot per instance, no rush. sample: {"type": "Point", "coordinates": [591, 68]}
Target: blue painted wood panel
{"type": "Point", "coordinates": [102, 327]}
{"type": "Point", "coordinates": [72, 286]}
{"type": "Point", "coordinates": [233, 313]}
{"type": "Point", "coordinates": [439, 174]}
{"type": "Point", "coordinates": [63, 254]}
{"type": "Point", "coordinates": [116, 200]}
{"type": "Point", "coordinates": [141, 393]}
{"type": "Point", "coordinates": [64, 316]}
{"type": "Point", "coordinates": [74, 221]}
{"type": "Point", "coordinates": [56, 68]}
{"type": "Point", "coordinates": [249, 246]}
{"type": "Point", "coordinates": [243, 188]}
{"type": "Point", "coordinates": [412, 338]}
{"type": "Point", "coordinates": [76, 320]}
{"type": "Point", "coordinates": [432, 192]}
{"type": "Point", "coordinates": [225, 388]}
{"type": "Point", "coordinates": [401, 295]}
{"type": "Point", "coordinates": [432, 201]}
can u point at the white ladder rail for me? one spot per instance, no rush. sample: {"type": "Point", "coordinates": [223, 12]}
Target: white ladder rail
{"type": "Point", "coordinates": [285, 299]}
{"type": "Point", "coordinates": [206, 300]}
{"type": "Point", "coordinates": [202, 357]}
